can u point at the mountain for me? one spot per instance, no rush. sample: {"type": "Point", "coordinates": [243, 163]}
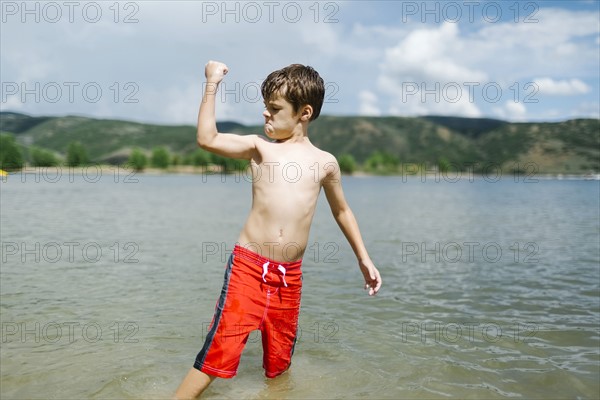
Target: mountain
{"type": "Point", "coordinates": [558, 147]}
{"type": "Point", "coordinates": [17, 123]}
{"type": "Point", "coordinates": [471, 127]}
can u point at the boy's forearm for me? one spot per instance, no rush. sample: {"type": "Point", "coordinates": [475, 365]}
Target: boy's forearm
{"type": "Point", "coordinates": [207, 123]}
{"type": "Point", "coordinates": [347, 223]}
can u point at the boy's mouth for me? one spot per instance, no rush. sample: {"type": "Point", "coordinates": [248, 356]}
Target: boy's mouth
{"type": "Point", "coordinates": [269, 128]}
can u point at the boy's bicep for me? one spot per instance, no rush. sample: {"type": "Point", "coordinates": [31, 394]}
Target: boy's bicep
{"type": "Point", "coordinates": [332, 184]}
{"type": "Point", "coordinates": [233, 145]}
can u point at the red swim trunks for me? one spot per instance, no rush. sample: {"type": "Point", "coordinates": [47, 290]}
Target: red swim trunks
{"type": "Point", "coordinates": [257, 293]}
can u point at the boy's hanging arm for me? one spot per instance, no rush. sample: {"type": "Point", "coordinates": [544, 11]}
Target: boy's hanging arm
{"type": "Point", "coordinates": [207, 136]}
{"type": "Point", "coordinates": [347, 222]}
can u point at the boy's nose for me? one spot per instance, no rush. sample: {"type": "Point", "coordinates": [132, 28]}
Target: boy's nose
{"type": "Point", "coordinates": [266, 114]}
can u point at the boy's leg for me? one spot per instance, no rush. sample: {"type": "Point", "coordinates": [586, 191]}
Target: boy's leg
{"type": "Point", "coordinates": [279, 330]}
{"type": "Point", "coordinates": [279, 340]}
{"type": "Point", "coordinates": [237, 313]}
{"type": "Point", "coordinates": [193, 384]}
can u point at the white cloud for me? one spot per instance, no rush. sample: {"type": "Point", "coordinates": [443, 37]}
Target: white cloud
{"type": "Point", "coordinates": [368, 103]}
{"type": "Point", "coordinates": [422, 75]}
{"type": "Point", "coordinates": [429, 55]}
{"type": "Point", "coordinates": [512, 111]}
{"type": "Point", "coordinates": [561, 87]}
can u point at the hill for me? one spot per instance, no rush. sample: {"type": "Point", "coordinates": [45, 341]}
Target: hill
{"type": "Point", "coordinates": [560, 147]}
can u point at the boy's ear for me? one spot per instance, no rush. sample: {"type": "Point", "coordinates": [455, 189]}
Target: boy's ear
{"type": "Point", "coordinates": [306, 113]}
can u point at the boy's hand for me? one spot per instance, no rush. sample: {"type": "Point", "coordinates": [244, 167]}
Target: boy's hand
{"type": "Point", "coordinates": [372, 277]}
{"type": "Point", "coordinates": [215, 71]}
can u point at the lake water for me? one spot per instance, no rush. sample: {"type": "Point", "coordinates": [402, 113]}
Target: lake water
{"type": "Point", "coordinates": [491, 289]}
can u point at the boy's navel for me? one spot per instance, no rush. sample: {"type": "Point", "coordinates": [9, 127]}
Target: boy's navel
{"type": "Point", "coordinates": [281, 233]}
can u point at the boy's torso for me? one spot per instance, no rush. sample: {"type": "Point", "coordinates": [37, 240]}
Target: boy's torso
{"type": "Point", "coordinates": [287, 179]}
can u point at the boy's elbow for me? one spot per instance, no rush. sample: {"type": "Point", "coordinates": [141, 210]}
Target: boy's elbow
{"type": "Point", "coordinates": [202, 143]}
{"type": "Point", "coordinates": [339, 212]}
{"type": "Point", "coordinates": [204, 140]}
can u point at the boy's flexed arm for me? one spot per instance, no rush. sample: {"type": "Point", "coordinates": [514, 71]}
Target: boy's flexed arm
{"type": "Point", "coordinates": [225, 144]}
{"type": "Point", "coordinates": [347, 222]}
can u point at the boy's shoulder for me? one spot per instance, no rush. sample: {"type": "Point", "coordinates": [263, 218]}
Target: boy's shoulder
{"type": "Point", "coordinates": [327, 163]}
{"type": "Point", "coordinates": [321, 156]}
{"type": "Point", "coordinates": [326, 156]}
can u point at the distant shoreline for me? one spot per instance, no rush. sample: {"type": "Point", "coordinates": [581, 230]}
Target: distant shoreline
{"type": "Point", "coordinates": [96, 171]}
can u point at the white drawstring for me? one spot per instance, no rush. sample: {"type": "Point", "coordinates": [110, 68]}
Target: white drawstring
{"type": "Point", "coordinates": [265, 270]}
{"type": "Point", "coordinates": [280, 268]}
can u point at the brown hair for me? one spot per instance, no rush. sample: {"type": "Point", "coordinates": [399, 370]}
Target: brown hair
{"type": "Point", "coordinates": [299, 85]}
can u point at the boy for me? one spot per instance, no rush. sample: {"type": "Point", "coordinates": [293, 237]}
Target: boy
{"type": "Point", "coordinates": [263, 280]}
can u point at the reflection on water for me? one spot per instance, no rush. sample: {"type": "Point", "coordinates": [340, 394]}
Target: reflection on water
{"type": "Point", "coordinates": [490, 290]}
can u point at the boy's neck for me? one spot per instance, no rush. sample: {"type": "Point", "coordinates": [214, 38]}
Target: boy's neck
{"type": "Point", "coordinates": [299, 135]}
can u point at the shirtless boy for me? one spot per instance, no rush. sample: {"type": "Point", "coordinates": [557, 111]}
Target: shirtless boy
{"type": "Point", "coordinates": [263, 280]}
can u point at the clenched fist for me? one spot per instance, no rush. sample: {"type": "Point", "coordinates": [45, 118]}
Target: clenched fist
{"type": "Point", "coordinates": [215, 71]}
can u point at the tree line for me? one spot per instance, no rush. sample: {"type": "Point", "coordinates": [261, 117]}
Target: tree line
{"type": "Point", "coordinates": [14, 157]}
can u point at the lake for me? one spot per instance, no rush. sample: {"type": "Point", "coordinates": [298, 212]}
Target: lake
{"type": "Point", "coordinates": [491, 288]}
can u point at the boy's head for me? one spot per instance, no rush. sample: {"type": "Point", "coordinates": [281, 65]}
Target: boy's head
{"type": "Point", "coordinates": [298, 84]}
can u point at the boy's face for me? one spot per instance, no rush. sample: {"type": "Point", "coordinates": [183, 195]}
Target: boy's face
{"type": "Point", "coordinates": [280, 119]}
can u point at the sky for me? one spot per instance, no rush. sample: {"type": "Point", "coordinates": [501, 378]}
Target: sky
{"type": "Point", "coordinates": [144, 60]}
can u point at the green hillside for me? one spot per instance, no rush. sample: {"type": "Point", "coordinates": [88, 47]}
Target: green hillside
{"type": "Point", "coordinates": [562, 147]}
{"type": "Point", "coordinates": [413, 140]}
{"type": "Point", "coordinates": [565, 147]}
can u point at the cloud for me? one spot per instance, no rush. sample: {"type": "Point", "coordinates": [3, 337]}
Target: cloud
{"type": "Point", "coordinates": [368, 103]}
{"type": "Point", "coordinates": [429, 55]}
{"type": "Point", "coordinates": [570, 87]}
{"type": "Point", "coordinates": [422, 75]}
{"type": "Point", "coordinates": [512, 111]}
